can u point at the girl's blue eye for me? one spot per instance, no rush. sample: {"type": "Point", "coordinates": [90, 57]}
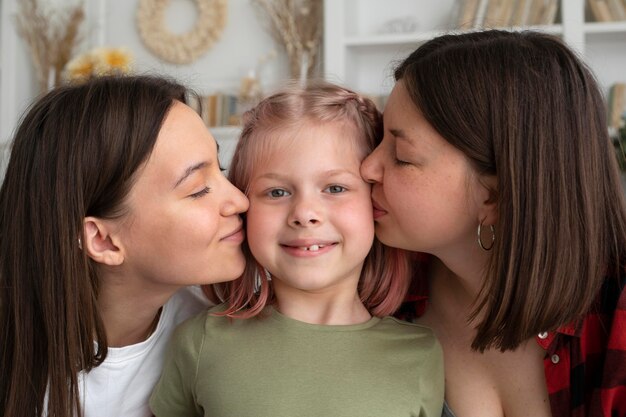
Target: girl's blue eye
{"type": "Point", "coordinates": [201, 193]}
{"type": "Point", "coordinates": [278, 192]}
{"type": "Point", "coordinates": [334, 189]}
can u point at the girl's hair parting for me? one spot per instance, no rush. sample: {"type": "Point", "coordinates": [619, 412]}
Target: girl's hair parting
{"type": "Point", "coordinates": [524, 108]}
{"type": "Point", "coordinates": [75, 154]}
{"type": "Point", "coordinates": [385, 276]}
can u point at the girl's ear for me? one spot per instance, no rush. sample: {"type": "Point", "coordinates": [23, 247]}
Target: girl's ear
{"type": "Point", "coordinates": [488, 200]}
{"type": "Point", "coordinates": [100, 243]}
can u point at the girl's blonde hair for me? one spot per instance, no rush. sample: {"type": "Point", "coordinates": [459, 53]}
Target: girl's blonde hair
{"type": "Point", "coordinates": [386, 273]}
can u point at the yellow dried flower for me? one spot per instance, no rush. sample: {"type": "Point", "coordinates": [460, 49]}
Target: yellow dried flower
{"type": "Point", "coordinates": [111, 60]}
{"type": "Point", "coordinates": [80, 68]}
{"type": "Point", "coordinates": [98, 62]}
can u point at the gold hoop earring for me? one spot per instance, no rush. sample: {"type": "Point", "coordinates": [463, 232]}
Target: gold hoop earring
{"type": "Point", "coordinates": [480, 240]}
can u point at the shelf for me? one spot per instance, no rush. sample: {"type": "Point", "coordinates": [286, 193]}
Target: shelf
{"type": "Point", "coordinates": [604, 27]}
{"type": "Point", "coordinates": [358, 56]}
{"type": "Point", "coordinates": [420, 37]}
{"type": "Point", "coordinates": [227, 138]}
{"type": "Point", "coordinates": [394, 39]}
{"type": "Point", "coordinates": [225, 130]}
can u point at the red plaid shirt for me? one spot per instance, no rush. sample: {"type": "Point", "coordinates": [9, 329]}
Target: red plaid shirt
{"type": "Point", "coordinates": [585, 363]}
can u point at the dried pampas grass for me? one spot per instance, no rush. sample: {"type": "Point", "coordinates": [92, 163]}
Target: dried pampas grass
{"type": "Point", "coordinates": [297, 26]}
{"type": "Point", "coordinates": [51, 35]}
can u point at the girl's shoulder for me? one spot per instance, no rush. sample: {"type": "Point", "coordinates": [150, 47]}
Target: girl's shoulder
{"type": "Point", "coordinates": [417, 335]}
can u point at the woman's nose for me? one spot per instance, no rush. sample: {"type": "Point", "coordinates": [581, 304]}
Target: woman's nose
{"type": "Point", "coordinates": [235, 201]}
{"type": "Point", "coordinates": [371, 167]}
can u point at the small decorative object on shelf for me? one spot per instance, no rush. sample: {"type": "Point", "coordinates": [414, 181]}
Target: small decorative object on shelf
{"type": "Point", "coordinates": [98, 62]}
{"type": "Point", "coordinates": [181, 48]}
{"type": "Point", "coordinates": [297, 25]}
{"type": "Point", "coordinates": [406, 24]}
{"type": "Point", "coordinates": [51, 35]}
{"type": "Point", "coordinates": [250, 89]}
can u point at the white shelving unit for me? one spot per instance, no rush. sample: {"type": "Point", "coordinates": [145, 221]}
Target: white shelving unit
{"type": "Point", "coordinates": [356, 54]}
{"type": "Point", "coordinates": [226, 138]}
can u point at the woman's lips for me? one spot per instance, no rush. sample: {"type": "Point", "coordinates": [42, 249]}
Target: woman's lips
{"type": "Point", "coordinates": [378, 211]}
{"type": "Point", "coordinates": [237, 236]}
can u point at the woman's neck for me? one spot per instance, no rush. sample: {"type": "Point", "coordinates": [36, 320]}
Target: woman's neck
{"type": "Point", "coordinates": [454, 288]}
{"type": "Point", "coordinates": [464, 269]}
{"type": "Point", "coordinates": [129, 312]}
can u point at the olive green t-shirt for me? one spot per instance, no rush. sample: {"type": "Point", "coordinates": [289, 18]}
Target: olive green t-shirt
{"type": "Point", "coordinates": [274, 366]}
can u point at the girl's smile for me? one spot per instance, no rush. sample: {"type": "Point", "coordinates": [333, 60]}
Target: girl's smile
{"type": "Point", "coordinates": [308, 248]}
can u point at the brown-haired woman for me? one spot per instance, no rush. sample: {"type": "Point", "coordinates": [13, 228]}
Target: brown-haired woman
{"type": "Point", "coordinates": [496, 161]}
{"type": "Point", "coordinates": [113, 200]}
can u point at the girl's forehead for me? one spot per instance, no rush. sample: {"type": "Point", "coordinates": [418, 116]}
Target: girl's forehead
{"type": "Point", "coordinates": [339, 131]}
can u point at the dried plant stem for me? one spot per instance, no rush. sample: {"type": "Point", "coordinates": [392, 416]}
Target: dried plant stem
{"type": "Point", "coordinates": [296, 24]}
{"type": "Point", "coordinates": [51, 36]}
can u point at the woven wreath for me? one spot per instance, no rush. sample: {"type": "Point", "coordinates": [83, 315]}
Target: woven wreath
{"type": "Point", "coordinates": [186, 47]}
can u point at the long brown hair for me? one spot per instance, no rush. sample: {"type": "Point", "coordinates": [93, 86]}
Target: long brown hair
{"type": "Point", "coordinates": [385, 276]}
{"type": "Point", "coordinates": [524, 108]}
{"type": "Point", "coordinates": [75, 154]}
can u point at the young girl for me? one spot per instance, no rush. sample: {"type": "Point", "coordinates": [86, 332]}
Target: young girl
{"type": "Point", "coordinates": [113, 201]}
{"type": "Point", "coordinates": [306, 332]}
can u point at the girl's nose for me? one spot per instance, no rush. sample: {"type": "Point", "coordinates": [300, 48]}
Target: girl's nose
{"type": "Point", "coordinates": [305, 213]}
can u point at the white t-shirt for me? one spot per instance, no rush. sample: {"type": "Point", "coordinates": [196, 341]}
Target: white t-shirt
{"type": "Point", "coordinates": [122, 384]}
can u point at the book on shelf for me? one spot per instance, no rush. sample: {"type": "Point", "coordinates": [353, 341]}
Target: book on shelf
{"type": "Point", "coordinates": [507, 13]}
{"type": "Point", "coordinates": [467, 13]}
{"type": "Point", "coordinates": [607, 10]}
{"type": "Point", "coordinates": [616, 7]}
{"type": "Point", "coordinates": [521, 12]}
{"type": "Point", "coordinates": [616, 105]}
{"type": "Point", "coordinates": [217, 109]}
{"type": "Point", "coordinates": [481, 11]}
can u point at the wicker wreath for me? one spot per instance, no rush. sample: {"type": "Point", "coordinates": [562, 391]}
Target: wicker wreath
{"type": "Point", "coordinates": [183, 48]}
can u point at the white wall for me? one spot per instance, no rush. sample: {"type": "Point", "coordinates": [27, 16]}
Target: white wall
{"type": "Point", "coordinates": [112, 23]}
{"type": "Point", "coordinates": [244, 40]}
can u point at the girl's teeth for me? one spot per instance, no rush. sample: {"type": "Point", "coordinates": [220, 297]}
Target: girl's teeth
{"type": "Point", "coordinates": [312, 248]}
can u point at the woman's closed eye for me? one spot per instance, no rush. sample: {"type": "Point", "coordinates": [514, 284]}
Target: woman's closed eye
{"type": "Point", "coordinates": [200, 193]}
{"type": "Point", "coordinates": [400, 162]}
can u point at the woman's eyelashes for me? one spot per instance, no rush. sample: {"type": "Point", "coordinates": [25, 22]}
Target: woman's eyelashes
{"type": "Point", "coordinates": [200, 193]}
{"type": "Point", "coordinates": [400, 158]}
{"type": "Point", "coordinates": [400, 162]}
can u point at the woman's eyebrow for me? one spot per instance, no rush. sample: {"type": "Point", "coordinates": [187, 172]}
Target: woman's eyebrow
{"type": "Point", "coordinates": [190, 170]}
